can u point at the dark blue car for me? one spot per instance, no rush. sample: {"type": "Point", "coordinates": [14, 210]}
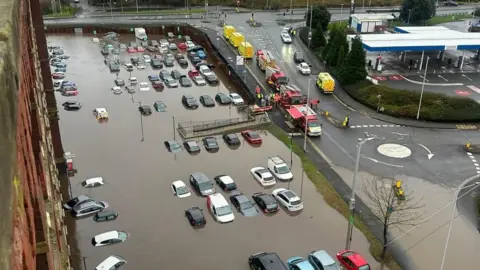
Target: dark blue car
{"type": "Point", "coordinates": [201, 54]}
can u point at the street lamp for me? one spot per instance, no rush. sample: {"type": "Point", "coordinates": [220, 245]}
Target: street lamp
{"type": "Point", "coordinates": [136, 4]}
{"type": "Point", "coordinates": [243, 57]}
{"type": "Point", "coordinates": [361, 142]}
{"type": "Point", "coordinates": [455, 195]}
{"type": "Point", "coordinates": [341, 10]}
{"type": "Point", "coordinates": [141, 121]}
{"type": "Point", "coordinates": [378, 105]}
{"type": "Point", "coordinates": [310, 28]}
{"type": "Point", "coordinates": [423, 87]}
{"type": "Point", "coordinates": [111, 10]}
{"type": "Point", "coordinates": [291, 11]}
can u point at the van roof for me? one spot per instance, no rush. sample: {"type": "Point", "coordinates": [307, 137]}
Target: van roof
{"type": "Point", "coordinates": [277, 160]}
{"type": "Point", "coordinates": [200, 177]}
{"type": "Point", "coordinates": [218, 200]}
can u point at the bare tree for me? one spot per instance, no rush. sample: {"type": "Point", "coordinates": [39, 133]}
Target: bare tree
{"type": "Point", "coordinates": [392, 206]}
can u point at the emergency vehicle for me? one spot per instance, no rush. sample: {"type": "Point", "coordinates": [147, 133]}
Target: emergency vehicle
{"type": "Point", "coordinates": [291, 95]}
{"type": "Point", "coordinates": [326, 83]}
{"type": "Point", "coordinates": [265, 59]}
{"type": "Point", "coordinates": [305, 118]}
{"type": "Point", "coordinates": [275, 77]}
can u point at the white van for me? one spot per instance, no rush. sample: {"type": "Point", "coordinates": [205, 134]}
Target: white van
{"type": "Point", "coordinates": [220, 208]}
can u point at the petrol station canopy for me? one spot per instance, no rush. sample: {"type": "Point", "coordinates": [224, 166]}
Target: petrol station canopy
{"type": "Point", "coordinates": [420, 38]}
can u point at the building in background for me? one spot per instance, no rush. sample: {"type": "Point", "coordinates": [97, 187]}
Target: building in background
{"type": "Point", "coordinates": [33, 233]}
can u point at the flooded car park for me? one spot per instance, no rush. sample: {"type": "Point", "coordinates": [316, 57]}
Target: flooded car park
{"type": "Point", "coordinates": [138, 176]}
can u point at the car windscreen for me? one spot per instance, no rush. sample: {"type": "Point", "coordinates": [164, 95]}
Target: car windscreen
{"type": "Point", "coordinates": [230, 186]}
{"type": "Point", "coordinates": [182, 190]}
{"type": "Point", "coordinates": [246, 205]}
{"type": "Point", "coordinates": [205, 185]}
{"type": "Point", "coordinates": [271, 205]}
{"type": "Point", "coordinates": [297, 202]}
{"type": "Point", "coordinates": [73, 202]}
{"type": "Point", "coordinates": [313, 124]}
{"type": "Point", "coordinates": [174, 145]}
{"type": "Point", "coordinates": [122, 235]}
{"type": "Point", "coordinates": [283, 169]}
{"type": "Point", "coordinates": [365, 267]}
{"type": "Point", "coordinates": [211, 142]}
{"type": "Point", "coordinates": [223, 210]}
{"type": "Point", "coordinates": [254, 135]}
{"type": "Point", "coordinates": [194, 147]}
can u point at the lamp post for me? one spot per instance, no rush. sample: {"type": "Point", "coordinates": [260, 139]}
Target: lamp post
{"type": "Point", "coordinates": [409, 13]}
{"type": "Point", "coordinates": [291, 11]}
{"type": "Point", "coordinates": [455, 195]}
{"type": "Point", "coordinates": [141, 121]}
{"type": "Point", "coordinates": [173, 124]}
{"type": "Point", "coordinates": [423, 87]}
{"type": "Point", "coordinates": [352, 197]}
{"type": "Point", "coordinates": [341, 10]}
{"type": "Point", "coordinates": [378, 105]}
{"type": "Point", "coordinates": [291, 153]}
{"type": "Point", "coordinates": [84, 262]}
{"type": "Point", "coordinates": [111, 10]}
{"type": "Point", "coordinates": [310, 28]}
{"type": "Point", "coordinates": [306, 123]}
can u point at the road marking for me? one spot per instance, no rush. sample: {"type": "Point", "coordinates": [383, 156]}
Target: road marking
{"type": "Point", "coordinates": [375, 126]}
{"type": "Point", "coordinates": [423, 78]}
{"type": "Point", "coordinates": [475, 163]}
{"type": "Point", "coordinates": [474, 88]}
{"type": "Point", "coordinates": [371, 125]}
{"type": "Point", "coordinates": [394, 150]}
{"type": "Point", "coordinates": [440, 76]}
{"type": "Point", "coordinates": [365, 126]}
{"type": "Point", "coordinates": [381, 162]}
{"type": "Point", "coordinates": [467, 77]}
{"type": "Point", "coordinates": [467, 127]}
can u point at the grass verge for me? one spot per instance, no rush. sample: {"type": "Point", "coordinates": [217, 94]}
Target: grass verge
{"type": "Point", "coordinates": [433, 21]}
{"type": "Point", "coordinates": [165, 11]}
{"type": "Point", "coordinates": [331, 196]}
{"type": "Point", "coordinates": [59, 15]}
{"type": "Point", "coordinates": [478, 206]}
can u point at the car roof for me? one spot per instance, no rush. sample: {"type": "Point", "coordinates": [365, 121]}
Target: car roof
{"type": "Point", "coordinates": [323, 257]}
{"type": "Point", "coordinates": [272, 261]}
{"type": "Point", "coordinates": [85, 205]}
{"type": "Point", "coordinates": [196, 212]}
{"type": "Point", "coordinates": [263, 171]}
{"type": "Point", "coordinates": [109, 262]}
{"type": "Point", "coordinates": [200, 177]}
{"type": "Point", "coordinates": [277, 160]}
{"type": "Point", "coordinates": [218, 200]}
{"type": "Point", "coordinates": [305, 265]}
{"type": "Point", "coordinates": [242, 198]}
{"type": "Point", "coordinates": [288, 193]}
{"type": "Point", "coordinates": [172, 142]}
{"type": "Point", "coordinates": [101, 109]}
{"type": "Point", "coordinates": [179, 183]}
{"type": "Point", "coordinates": [232, 136]}
{"type": "Point", "coordinates": [226, 179]}
{"type": "Point", "coordinates": [356, 258]}
{"type": "Point", "coordinates": [266, 198]}
{"type": "Point", "coordinates": [94, 180]}
{"type": "Point", "coordinates": [105, 236]}
{"type": "Point", "coordinates": [192, 143]}
{"type": "Point", "coordinates": [188, 96]}
{"type": "Point", "coordinates": [234, 95]}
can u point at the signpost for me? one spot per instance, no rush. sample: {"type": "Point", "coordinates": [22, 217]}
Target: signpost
{"type": "Point", "coordinates": [239, 60]}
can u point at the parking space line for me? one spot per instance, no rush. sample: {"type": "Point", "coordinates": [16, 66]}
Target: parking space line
{"type": "Point", "coordinates": [467, 77]}
{"type": "Point", "coordinates": [375, 126]}
{"type": "Point", "coordinates": [440, 76]}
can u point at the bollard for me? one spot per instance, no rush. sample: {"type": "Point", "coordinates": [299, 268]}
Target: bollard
{"type": "Point", "coordinates": [326, 113]}
{"type": "Point", "coordinates": [468, 145]}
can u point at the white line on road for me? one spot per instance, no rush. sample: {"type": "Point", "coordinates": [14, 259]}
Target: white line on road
{"type": "Point", "coordinates": [440, 76]}
{"type": "Point", "coordinates": [474, 88]}
{"type": "Point", "coordinates": [423, 78]}
{"type": "Point", "coordinates": [467, 77]}
{"type": "Point", "coordinates": [381, 162]}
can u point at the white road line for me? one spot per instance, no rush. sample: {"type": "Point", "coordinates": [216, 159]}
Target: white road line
{"type": "Point", "coordinates": [474, 88]}
{"type": "Point", "coordinates": [470, 154]}
{"type": "Point", "coordinates": [467, 77]}
{"type": "Point", "coordinates": [365, 126]}
{"type": "Point", "coordinates": [440, 76]}
{"type": "Point", "coordinates": [371, 125]}
{"type": "Point", "coordinates": [378, 125]}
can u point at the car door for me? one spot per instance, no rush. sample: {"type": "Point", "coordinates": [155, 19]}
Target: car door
{"type": "Point", "coordinates": [235, 203]}
{"type": "Point", "coordinates": [348, 263]}
{"type": "Point", "coordinates": [283, 200]}
{"type": "Point", "coordinates": [316, 263]}
{"type": "Point", "coordinates": [259, 176]}
{"type": "Point", "coordinates": [174, 189]}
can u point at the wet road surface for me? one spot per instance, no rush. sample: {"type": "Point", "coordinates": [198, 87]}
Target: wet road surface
{"type": "Point", "coordinates": [139, 174]}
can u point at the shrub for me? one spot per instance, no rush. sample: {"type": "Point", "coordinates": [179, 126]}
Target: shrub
{"type": "Point", "coordinates": [404, 103]}
{"type": "Point", "coordinates": [478, 206]}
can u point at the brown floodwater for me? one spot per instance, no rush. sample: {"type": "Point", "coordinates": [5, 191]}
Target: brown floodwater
{"type": "Point", "coordinates": [139, 175]}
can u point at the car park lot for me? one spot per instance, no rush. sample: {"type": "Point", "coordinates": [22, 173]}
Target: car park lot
{"type": "Point", "coordinates": [138, 175]}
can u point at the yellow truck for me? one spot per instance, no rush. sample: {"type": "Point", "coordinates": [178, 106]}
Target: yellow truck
{"type": "Point", "coordinates": [246, 50]}
{"type": "Point", "coordinates": [236, 38]}
{"type": "Point", "coordinates": [228, 30]}
{"type": "Point", "coordinates": [326, 83]}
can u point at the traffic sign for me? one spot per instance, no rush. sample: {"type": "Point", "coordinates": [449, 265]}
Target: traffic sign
{"type": "Point", "coordinates": [239, 60]}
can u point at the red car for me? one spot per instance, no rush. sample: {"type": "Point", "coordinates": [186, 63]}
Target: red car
{"type": "Point", "coordinates": [193, 73]}
{"type": "Point", "coordinates": [158, 85]}
{"type": "Point", "coordinates": [131, 50]}
{"type": "Point", "coordinates": [182, 46]}
{"type": "Point", "coordinates": [140, 49]}
{"type": "Point", "coordinates": [58, 75]}
{"type": "Point", "coordinates": [252, 137]}
{"type": "Point", "coordinates": [350, 260]}
{"type": "Point", "coordinates": [69, 93]}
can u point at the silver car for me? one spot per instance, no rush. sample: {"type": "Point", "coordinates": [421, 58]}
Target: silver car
{"type": "Point", "coordinates": [89, 208]}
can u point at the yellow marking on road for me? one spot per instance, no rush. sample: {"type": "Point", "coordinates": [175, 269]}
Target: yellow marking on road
{"type": "Point", "coordinates": [467, 127]}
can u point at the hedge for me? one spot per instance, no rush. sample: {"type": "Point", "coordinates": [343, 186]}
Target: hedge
{"type": "Point", "coordinates": [404, 103]}
{"type": "Point", "coordinates": [478, 206]}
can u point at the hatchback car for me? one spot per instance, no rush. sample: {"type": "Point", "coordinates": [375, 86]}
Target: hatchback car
{"type": "Point", "coordinates": [236, 99]}
{"type": "Point", "coordinates": [184, 81]}
{"type": "Point", "coordinates": [288, 199]}
{"type": "Point", "coordinates": [299, 263]}
{"type": "Point", "coordinates": [93, 182]}
{"type": "Point", "coordinates": [88, 208]}
{"type": "Point", "coordinates": [195, 216]}
{"type": "Point", "coordinates": [207, 101]}
{"type": "Point", "coordinates": [180, 189]}
{"type": "Point", "coordinates": [225, 182]}
{"type": "Point", "coordinates": [223, 99]}
{"type": "Point", "coordinates": [266, 202]}
{"type": "Point", "coordinates": [191, 146]}
{"type": "Point", "coordinates": [199, 80]}
{"type": "Point", "coordinates": [298, 57]}
{"type": "Point", "coordinates": [76, 201]}
{"type": "Point", "coordinates": [189, 101]}
{"type": "Point", "coordinates": [113, 262]}
{"type": "Point", "coordinates": [243, 204]}
{"type": "Point", "coordinates": [231, 139]}
{"type": "Point", "coordinates": [351, 260]}
{"type": "Point", "coordinates": [173, 146]}
{"type": "Point", "coordinates": [175, 74]}
{"type": "Point", "coordinates": [109, 238]}
{"type": "Point", "coordinates": [211, 144]}
{"type": "Point", "coordinates": [201, 184]}
{"type": "Point", "coordinates": [263, 176]}
{"type": "Point", "coordinates": [321, 260]}
{"type": "Point", "coordinates": [160, 106]}
{"type": "Point", "coordinates": [145, 110]}
{"type": "Point", "coordinates": [252, 136]}
{"type": "Point", "coordinates": [105, 216]}
{"type": "Point", "coordinates": [72, 105]}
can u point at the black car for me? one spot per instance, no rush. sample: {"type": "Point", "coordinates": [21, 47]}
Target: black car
{"type": "Point", "coordinates": [72, 105]}
{"type": "Point", "coordinates": [173, 146]}
{"type": "Point", "coordinates": [156, 63]}
{"type": "Point", "coordinates": [134, 60]}
{"type": "Point", "coordinates": [175, 74]}
{"type": "Point", "coordinates": [189, 101]}
{"type": "Point", "coordinates": [195, 60]}
{"type": "Point", "coordinates": [243, 204]}
{"type": "Point", "coordinates": [231, 139]}
{"type": "Point", "coordinates": [182, 61]}
{"type": "Point", "coordinates": [211, 79]}
{"type": "Point", "coordinates": [195, 216]}
{"type": "Point", "coordinates": [266, 260]}
{"type": "Point", "coordinates": [266, 202]}
{"type": "Point", "coordinates": [450, 4]}
{"type": "Point", "coordinates": [145, 110]}
{"type": "Point", "coordinates": [225, 182]}
{"type": "Point", "coordinates": [298, 57]}
{"type": "Point", "coordinates": [168, 62]}
{"type": "Point", "coordinates": [153, 43]}
{"type": "Point", "coordinates": [163, 74]}
{"type": "Point", "coordinates": [191, 55]}
{"type": "Point", "coordinates": [210, 143]}
{"type": "Point", "coordinates": [223, 99]}
{"type": "Point", "coordinates": [191, 146]}
{"type": "Point", "coordinates": [152, 49]}
{"type": "Point", "coordinates": [207, 101]}
{"type": "Point", "coordinates": [185, 81]}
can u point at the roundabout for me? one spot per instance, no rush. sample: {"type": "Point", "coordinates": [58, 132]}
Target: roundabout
{"type": "Point", "coordinates": [394, 150]}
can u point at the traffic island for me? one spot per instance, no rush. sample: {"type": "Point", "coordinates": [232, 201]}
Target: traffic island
{"type": "Point", "coordinates": [334, 121]}
{"type": "Point", "coordinates": [472, 148]}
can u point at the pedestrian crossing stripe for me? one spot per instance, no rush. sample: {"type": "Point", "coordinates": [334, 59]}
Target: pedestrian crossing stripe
{"type": "Point", "coordinates": [468, 127]}
{"type": "Point", "coordinates": [375, 126]}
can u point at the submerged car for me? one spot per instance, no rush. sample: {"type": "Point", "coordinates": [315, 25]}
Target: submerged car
{"type": "Point", "coordinates": [199, 80]}
{"type": "Point", "coordinates": [89, 208]}
{"type": "Point", "coordinates": [71, 105]}
{"type": "Point", "coordinates": [223, 99]}
{"type": "Point", "coordinates": [243, 204]}
{"type": "Point", "coordinates": [189, 101]}
{"type": "Point", "coordinates": [191, 146]}
{"type": "Point", "coordinates": [113, 262]}
{"type": "Point", "coordinates": [184, 81]}
{"type": "Point", "coordinates": [93, 182]}
{"type": "Point", "coordinates": [231, 139]}
{"type": "Point", "coordinates": [171, 82]}
{"type": "Point", "coordinates": [195, 216]}
{"type": "Point", "coordinates": [207, 101]}
{"type": "Point", "coordinates": [76, 201]}
{"type": "Point", "coordinates": [180, 189]}
{"type": "Point", "coordinates": [210, 144]}
{"type": "Point", "coordinates": [160, 106]}
{"type": "Point", "coordinates": [109, 238]}
{"type": "Point", "coordinates": [173, 146]}
{"type": "Point", "coordinates": [145, 110]}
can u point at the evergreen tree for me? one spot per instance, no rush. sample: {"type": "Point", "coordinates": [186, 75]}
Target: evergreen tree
{"type": "Point", "coordinates": [414, 11]}
{"type": "Point", "coordinates": [318, 39]}
{"type": "Point", "coordinates": [331, 37]}
{"type": "Point", "coordinates": [339, 41]}
{"type": "Point", "coordinates": [341, 58]}
{"type": "Point", "coordinates": [320, 16]}
{"type": "Point", "coordinates": [354, 69]}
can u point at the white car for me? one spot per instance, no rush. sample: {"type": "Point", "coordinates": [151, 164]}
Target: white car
{"type": "Point", "coordinates": [147, 58]}
{"type": "Point", "coordinates": [279, 168]}
{"type": "Point", "coordinates": [288, 199]}
{"type": "Point", "coordinates": [190, 44]}
{"type": "Point", "coordinates": [180, 189]}
{"type": "Point", "coordinates": [205, 70]}
{"type": "Point", "coordinates": [163, 49]}
{"type": "Point", "coordinates": [304, 68]}
{"type": "Point", "coordinates": [112, 262]}
{"type": "Point", "coordinates": [109, 238]}
{"type": "Point", "coordinates": [263, 176]}
{"type": "Point", "coordinates": [236, 99]}
{"type": "Point", "coordinates": [141, 66]}
{"type": "Point", "coordinates": [144, 86]}
{"type": "Point", "coordinates": [133, 80]}
{"type": "Point", "coordinates": [100, 113]}
{"type": "Point", "coordinates": [199, 80]}
{"type": "Point", "coordinates": [93, 182]}
{"type": "Point", "coordinates": [164, 42]}
{"type": "Point", "coordinates": [172, 46]}
{"type": "Point", "coordinates": [286, 38]}
{"type": "Point", "coordinates": [220, 209]}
